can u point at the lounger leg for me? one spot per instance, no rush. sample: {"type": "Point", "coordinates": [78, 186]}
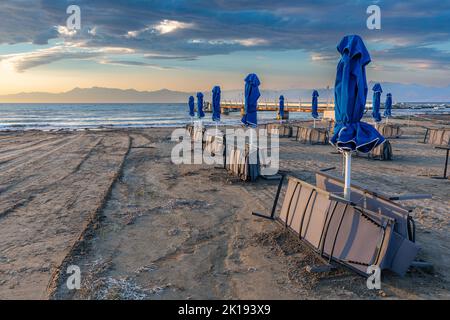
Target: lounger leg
{"type": "Point", "coordinates": [445, 167]}
{"type": "Point", "coordinates": [426, 136]}
{"type": "Point", "coordinates": [277, 197]}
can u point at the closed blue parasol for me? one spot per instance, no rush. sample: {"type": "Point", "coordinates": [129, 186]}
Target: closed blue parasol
{"type": "Point", "coordinates": [350, 134]}
{"type": "Point", "coordinates": [252, 95]}
{"type": "Point", "coordinates": [314, 107]}
{"type": "Point", "coordinates": [281, 108]}
{"type": "Point", "coordinates": [376, 102]}
{"type": "Point", "coordinates": [216, 103]}
{"type": "Point", "coordinates": [200, 112]}
{"type": "Point", "coordinates": [191, 106]}
{"type": "Point", "coordinates": [388, 106]}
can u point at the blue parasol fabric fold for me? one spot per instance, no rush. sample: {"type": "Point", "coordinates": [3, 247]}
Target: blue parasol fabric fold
{"type": "Point", "coordinates": [388, 106]}
{"type": "Point", "coordinates": [315, 104]}
{"type": "Point", "coordinates": [191, 106]}
{"type": "Point", "coordinates": [350, 134]}
{"type": "Point", "coordinates": [252, 95]}
{"type": "Point", "coordinates": [281, 108]}
{"type": "Point", "coordinates": [377, 91]}
{"type": "Point", "coordinates": [200, 113]}
{"type": "Point", "coordinates": [216, 103]}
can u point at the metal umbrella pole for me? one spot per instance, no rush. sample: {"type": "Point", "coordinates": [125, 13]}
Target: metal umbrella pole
{"type": "Point", "coordinates": [347, 175]}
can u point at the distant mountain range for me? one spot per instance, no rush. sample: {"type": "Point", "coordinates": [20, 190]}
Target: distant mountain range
{"type": "Point", "coordinates": [400, 92]}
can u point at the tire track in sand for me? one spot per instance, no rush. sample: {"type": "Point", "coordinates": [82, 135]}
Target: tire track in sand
{"type": "Point", "coordinates": [35, 238]}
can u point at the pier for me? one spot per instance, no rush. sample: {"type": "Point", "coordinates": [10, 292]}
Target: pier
{"type": "Point", "coordinates": [238, 106]}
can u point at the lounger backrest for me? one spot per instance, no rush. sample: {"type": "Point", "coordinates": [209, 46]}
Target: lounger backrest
{"type": "Point", "coordinates": [333, 227]}
{"type": "Point", "coordinates": [214, 144]}
{"type": "Point", "coordinates": [368, 200]}
{"type": "Point", "coordinates": [438, 137]}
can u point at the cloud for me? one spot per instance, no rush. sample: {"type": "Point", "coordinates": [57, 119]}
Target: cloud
{"type": "Point", "coordinates": [28, 60]}
{"type": "Point", "coordinates": [186, 30]}
{"type": "Point", "coordinates": [167, 26]}
{"type": "Point", "coordinates": [127, 63]}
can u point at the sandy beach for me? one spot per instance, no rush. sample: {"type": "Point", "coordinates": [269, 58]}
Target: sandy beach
{"type": "Point", "coordinates": [139, 227]}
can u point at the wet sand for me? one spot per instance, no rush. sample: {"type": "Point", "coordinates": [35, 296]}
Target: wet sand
{"type": "Point", "coordinates": [140, 227]}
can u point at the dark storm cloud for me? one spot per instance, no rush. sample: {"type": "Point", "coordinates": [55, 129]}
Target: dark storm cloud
{"type": "Point", "coordinates": [207, 27]}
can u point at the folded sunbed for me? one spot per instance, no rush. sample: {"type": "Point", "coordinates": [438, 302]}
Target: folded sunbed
{"type": "Point", "coordinates": [368, 230]}
{"type": "Point", "coordinates": [437, 137]}
{"type": "Point", "coordinates": [389, 130]}
{"type": "Point", "coordinates": [312, 135]}
{"type": "Point", "coordinates": [283, 130]}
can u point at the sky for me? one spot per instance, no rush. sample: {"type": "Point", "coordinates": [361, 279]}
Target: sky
{"type": "Point", "coordinates": [194, 45]}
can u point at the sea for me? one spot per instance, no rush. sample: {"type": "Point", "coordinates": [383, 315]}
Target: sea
{"type": "Point", "coordinates": [48, 117]}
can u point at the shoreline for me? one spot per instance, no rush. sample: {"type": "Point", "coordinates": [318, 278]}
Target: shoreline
{"type": "Point", "coordinates": [176, 120]}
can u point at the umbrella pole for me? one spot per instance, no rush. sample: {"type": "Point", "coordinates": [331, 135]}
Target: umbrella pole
{"type": "Point", "coordinates": [314, 123]}
{"type": "Point", "coordinates": [348, 174]}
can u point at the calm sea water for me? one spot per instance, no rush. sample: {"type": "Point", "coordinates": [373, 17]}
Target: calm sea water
{"type": "Point", "coordinates": [79, 116]}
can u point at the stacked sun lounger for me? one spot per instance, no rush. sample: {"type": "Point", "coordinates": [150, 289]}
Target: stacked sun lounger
{"type": "Point", "coordinates": [197, 134]}
{"type": "Point", "coordinates": [283, 130]}
{"type": "Point", "coordinates": [214, 144]}
{"type": "Point", "coordinates": [437, 137]}
{"type": "Point", "coordinates": [238, 162]}
{"type": "Point", "coordinates": [382, 152]}
{"type": "Point", "coordinates": [311, 135]}
{"type": "Point", "coordinates": [369, 230]}
{"type": "Point", "coordinates": [190, 129]}
{"type": "Point", "coordinates": [389, 130]}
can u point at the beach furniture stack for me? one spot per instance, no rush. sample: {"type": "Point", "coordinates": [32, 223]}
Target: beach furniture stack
{"type": "Point", "coordinates": [312, 134]}
{"type": "Point", "coordinates": [214, 144]}
{"type": "Point", "coordinates": [437, 136]}
{"type": "Point", "coordinates": [197, 134]}
{"type": "Point", "coordinates": [382, 152]}
{"type": "Point", "coordinates": [368, 229]}
{"type": "Point", "coordinates": [309, 135]}
{"type": "Point", "coordinates": [190, 129]}
{"type": "Point", "coordinates": [389, 130]}
{"type": "Point", "coordinates": [238, 162]}
{"type": "Point", "coordinates": [283, 130]}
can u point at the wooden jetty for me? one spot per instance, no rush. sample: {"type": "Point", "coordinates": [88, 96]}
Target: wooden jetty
{"type": "Point", "coordinates": [238, 106]}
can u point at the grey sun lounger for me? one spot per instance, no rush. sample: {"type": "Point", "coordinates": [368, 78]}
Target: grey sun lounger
{"type": "Point", "coordinates": [369, 230]}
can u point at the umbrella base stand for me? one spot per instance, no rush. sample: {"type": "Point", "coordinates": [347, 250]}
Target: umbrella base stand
{"type": "Point", "coordinates": [275, 203]}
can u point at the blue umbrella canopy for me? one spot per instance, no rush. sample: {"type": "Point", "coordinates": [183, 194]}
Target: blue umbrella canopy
{"type": "Point", "coordinates": [281, 108]}
{"type": "Point", "coordinates": [216, 103]}
{"type": "Point", "coordinates": [376, 102]}
{"type": "Point", "coordinates": [200, 112]}
{"type": "Point", "coordinates": [252, 95]}
{"type": "Point", "coordinates": [315, 105]}
{"type": "Point", "coordinates": [388, 106]}
{"type": "Point", "coordinates": [191, 106]}
{"type": "Point", "coordinates": [350, 133]}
